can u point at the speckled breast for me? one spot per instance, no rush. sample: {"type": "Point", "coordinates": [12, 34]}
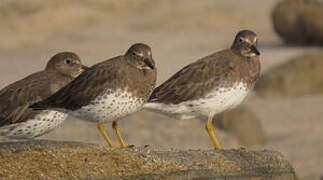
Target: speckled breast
{"type": "Point", "coordinates": [42, 123]}
{"type": "Point", "coordinates": [109, 106]}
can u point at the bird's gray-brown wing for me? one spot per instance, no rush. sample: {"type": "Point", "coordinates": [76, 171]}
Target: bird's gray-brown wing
{"type": "Point", "coordinates": [15, 98]}
{"type": "Point", "coordinates": [86, 87]}
{"type": "Point", "coordinates": [193, 81]}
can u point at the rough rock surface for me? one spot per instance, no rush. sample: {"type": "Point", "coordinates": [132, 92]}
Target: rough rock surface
{"type": "Point", "coordinates": [299, 76]}
{"type": "Point", "coordinates": [299, 21]}
{"type": "Point", "coordinates": [72, 160]}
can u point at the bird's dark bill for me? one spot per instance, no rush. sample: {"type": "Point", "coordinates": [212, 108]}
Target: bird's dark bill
{"type": "Point", "coordinates": [148, 63]}
{"type": "Point", "coordinates": [84, 68]}
{"type": "Point", "coordinates": [255, 50]}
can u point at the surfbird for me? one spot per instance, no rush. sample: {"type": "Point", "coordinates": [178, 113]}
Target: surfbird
{"type": "Point", "coordinates": [16, 119]}
{"type": "Point", "coordinates": [211, 85]}
{"type": "Point", "coordinates": [109, 90]}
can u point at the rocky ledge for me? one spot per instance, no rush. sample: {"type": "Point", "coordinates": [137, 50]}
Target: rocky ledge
{"type": "Point", "coordinates": [42, 159]}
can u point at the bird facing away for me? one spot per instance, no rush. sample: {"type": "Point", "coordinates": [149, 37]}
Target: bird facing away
{"type": "Point", "coordinates": [16, 119]}
{"type": "Point", "coordinates": [211, 85]}
{"type": "Point", "coordinates": [109, 90]}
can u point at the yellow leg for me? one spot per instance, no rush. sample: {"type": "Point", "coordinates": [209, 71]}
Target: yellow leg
{"type": "Point", "coordinates": [104, 134]}
{"type": "Point", "coordinates": [209, 129]}
{"type": "Point", "coordinates": [116, 130]}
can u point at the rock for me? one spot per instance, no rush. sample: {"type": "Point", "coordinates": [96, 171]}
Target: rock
{"type": "Point", "coordinates": [71, 160]}
{"type": "Point", "coordinates": [243, 124]}
{"type": "Point", "coordinates": [313, 22]}
{"type": "Point", "coordinates": [287, 24]}
{"type": "Point", "coordinates": [299, 21]}
{"type": "Point", "coordinates": [298, 76]}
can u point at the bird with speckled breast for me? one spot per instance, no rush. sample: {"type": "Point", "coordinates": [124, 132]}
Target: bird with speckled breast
{"type": "Point", "coordinates": [109, 90]}
{"type": "Point", "coordinates": [211, 85]}
{"type": "Point", "coordinates": [16, 119]}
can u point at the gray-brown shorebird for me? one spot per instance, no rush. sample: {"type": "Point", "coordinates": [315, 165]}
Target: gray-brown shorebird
{"type": "Point", "coordinates": [109, 90]}
{"type": "Point", "coordinates": [211, 85]}
{"type": "Point", "coordinates": [16, 119]}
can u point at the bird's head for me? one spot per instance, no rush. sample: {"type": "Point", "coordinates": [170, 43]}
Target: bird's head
{"type": "Point", "coordinates": [140, 56]}
{"type": "Point", "coordinates": [66, 63]}
{"type": "Point", "coordinates": [245, 44]}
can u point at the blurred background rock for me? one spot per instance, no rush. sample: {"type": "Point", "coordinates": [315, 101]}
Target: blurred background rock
{"type": "Point", "coordinates": [243, 124]}
{"type": "Point", "coordinates": [299, 21]}
{"type": "Point", "coordinates": [179, 33]}
{"type": "Point", "coordinates": [299, 76]}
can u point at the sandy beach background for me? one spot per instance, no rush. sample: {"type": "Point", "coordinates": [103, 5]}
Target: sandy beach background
{"type": "Point", "coordinates": [179, 32]}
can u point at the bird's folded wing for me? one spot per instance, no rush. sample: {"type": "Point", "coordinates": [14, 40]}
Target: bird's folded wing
{"type": "Point", "coordinates": [15, 98]}
{"type": "Point", "coordinates": [191, 82]}
{"type": "Point", "coordinates": [82, 90]}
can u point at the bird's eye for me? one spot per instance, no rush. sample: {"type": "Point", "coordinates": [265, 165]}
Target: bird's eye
{"type": "Point", "coordinates": [68, 61]}
{"type": "Point", "coordinates": [134, 54]}
{"type": "Point", "coordinates": [240, 40]}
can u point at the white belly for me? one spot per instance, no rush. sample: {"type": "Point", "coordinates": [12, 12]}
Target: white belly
{"type": "Point", "coordinates": [218, 101]}
{"type": "Point", "coordinates": [215, 102]}
{"type": "Point", "coordinates": [109, 107]}
{"type": "Point", "coordinates": [178, 111]}
{"type": "Point", "coordinates": [41, 124]}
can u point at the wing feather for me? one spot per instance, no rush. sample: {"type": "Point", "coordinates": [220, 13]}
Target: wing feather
{"type": "Point", "coordinates": [193, 81]}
